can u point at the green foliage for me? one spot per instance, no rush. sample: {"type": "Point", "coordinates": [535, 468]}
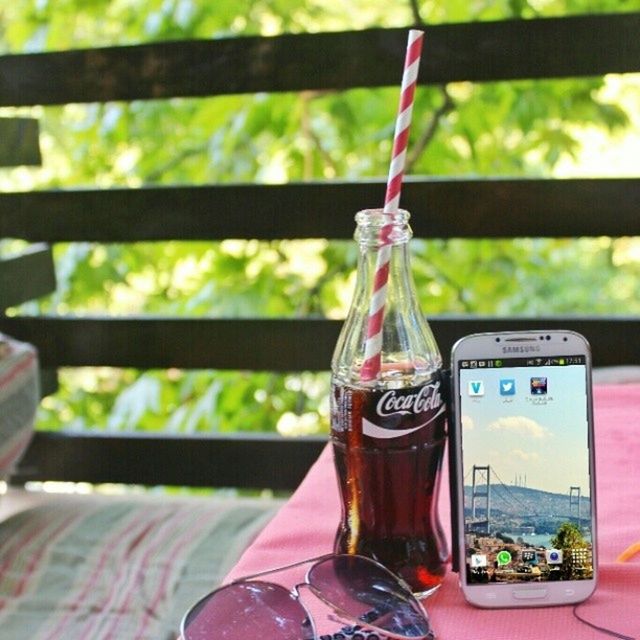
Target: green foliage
{"type": "Point", "coordinates": [568, 536]}
{"type": "Point", "coordinates": [187, 402]}
{"type": "Point", "coordinates": [506, 128]}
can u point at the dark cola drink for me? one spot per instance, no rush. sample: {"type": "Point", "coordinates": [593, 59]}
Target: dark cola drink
{"type": "Point", "coordinates": [388, 434]}
{"type": "Point", "coordinates": [393, 480]}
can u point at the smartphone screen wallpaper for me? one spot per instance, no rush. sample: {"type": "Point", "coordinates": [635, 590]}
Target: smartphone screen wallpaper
{"type": "Point", "coordinates": [527, 499]}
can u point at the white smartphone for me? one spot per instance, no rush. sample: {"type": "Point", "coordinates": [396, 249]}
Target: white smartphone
{"type": "Point", "coordinates": [523, 458]}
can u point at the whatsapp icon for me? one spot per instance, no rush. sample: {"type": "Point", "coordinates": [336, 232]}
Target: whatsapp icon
{"type": "Point", "coordinates": [503, 557]}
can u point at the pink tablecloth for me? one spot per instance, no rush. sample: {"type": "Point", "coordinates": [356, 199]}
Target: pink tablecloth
{"type": "Point", "coordinates": [305, 527]}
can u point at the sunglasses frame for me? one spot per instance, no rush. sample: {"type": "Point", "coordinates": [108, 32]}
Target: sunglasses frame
{"type": "Point", "coordinates": [295, 593]}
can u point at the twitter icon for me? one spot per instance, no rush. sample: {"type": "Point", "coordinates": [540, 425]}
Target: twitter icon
{"type": "Point", "coordinates": [508, 387]}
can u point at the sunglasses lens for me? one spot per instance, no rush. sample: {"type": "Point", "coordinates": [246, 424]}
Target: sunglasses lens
{"type": "Point", "coordinates": [366, 591]}
{"type": "Point", "coordinates": [248, 610]}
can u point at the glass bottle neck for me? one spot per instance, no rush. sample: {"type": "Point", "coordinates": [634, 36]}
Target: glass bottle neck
{"type": "Point", "coordinates": [409, 355]}
{"type": "Point", "coordinates": [377, 228]}
{"type": "Point", "coordinates": [379, 232]}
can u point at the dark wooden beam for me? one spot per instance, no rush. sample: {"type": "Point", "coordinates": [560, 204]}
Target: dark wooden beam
{"type": "Point", "coordinates": [268, 345]}
{"type": "Point", "coordinates": [19, 142]}
{"type": "Point", "coordinates": [238, 460]}
{"type": "Point", "coordinates": [27, 276]}
{"type": "Point", "coordinates": [439, 208]}
{"type": "Point", "coordinates": [480, 51]}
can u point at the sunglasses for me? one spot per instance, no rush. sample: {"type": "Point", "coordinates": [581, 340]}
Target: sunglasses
{"type": "Point", "coordinates": [358, 591]}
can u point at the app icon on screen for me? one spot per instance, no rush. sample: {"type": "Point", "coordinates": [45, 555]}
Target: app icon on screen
{"type": "Point", "coordinates": [539, 386]}
{"type": "Point", "coordinates": [476, 388]}
{"type": "Point", "coordinates": [507, 387]}
{"type": "Point", "coordinates": [478, 560]}
{"type": "Point", "coordinates": [503, 557]}
{"type": "Point", "coordinates": [554, 556]}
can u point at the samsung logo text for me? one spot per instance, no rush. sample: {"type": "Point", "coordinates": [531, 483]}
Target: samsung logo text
{"type": "Point", "coordinates": [528, 348]}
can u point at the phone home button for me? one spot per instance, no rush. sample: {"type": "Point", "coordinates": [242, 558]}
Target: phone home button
{"type": "Point", "coordinates": [529, 594]}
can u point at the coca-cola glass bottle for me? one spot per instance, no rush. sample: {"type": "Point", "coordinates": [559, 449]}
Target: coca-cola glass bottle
{"type": "Point", "coordinates": [388, 433]}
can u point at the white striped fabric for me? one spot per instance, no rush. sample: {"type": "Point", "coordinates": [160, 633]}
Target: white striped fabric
{"type": "Point", "coordinates": [104, 568]}
{"type": "Point", "coordinates": [19, 397]}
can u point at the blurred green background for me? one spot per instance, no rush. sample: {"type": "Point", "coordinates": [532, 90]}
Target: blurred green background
{"type": "Point", "coordinates": [585, 127]}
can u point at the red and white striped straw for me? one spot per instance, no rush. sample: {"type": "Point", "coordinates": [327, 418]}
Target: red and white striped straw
{"type": "Point", "coordinates": [373, 346]}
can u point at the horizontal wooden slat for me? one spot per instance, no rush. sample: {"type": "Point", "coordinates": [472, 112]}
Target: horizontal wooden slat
{"type": "Point", "coordinates": [241, 460]}
{"type": "Point", "coordinates": [27, 276]}
{"type": "Point", "coordinates": [440, 209]}
{"type": "Point", "coordinates": [552, 47]}
{"type": "Point", "coordinates": [268, 345]}
{"type": "Point", "coordinates": [19, 142]}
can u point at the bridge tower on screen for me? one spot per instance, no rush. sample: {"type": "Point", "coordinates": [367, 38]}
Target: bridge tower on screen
{"type": "Point", "coordinates": [574, 504]}
{"type": "Point", "coordinates": [481, 497]}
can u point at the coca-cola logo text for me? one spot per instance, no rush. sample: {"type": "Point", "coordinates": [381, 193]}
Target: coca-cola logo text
{"type": "Point", "coordinates": [428, 397]}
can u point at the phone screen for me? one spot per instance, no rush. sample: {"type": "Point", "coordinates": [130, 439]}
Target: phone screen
{"type": "Point", "coordinates": [525, 461]}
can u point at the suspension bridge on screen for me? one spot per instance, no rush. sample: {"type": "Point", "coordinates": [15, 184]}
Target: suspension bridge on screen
{"type": "Point", "coordinates": [488, 489]}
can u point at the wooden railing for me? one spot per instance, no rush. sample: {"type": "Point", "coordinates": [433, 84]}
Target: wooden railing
{"type": "Point", "coordinates": [469, 208]}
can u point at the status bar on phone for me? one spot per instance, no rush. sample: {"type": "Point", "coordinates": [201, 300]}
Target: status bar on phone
{"type": "Point", "coordinates": [501, 363]}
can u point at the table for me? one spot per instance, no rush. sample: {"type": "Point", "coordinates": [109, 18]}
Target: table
{"type": "Point", "coordinates": [306, 525]}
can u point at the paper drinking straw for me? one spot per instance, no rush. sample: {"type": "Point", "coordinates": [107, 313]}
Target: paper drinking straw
{"type": "Point", "coordinates": [373, 346]}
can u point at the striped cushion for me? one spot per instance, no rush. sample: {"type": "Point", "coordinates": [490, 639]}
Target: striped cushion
{"type": "Point", "coordinates": [87, 569]}
{"type": "Point", "coordinates": [19, 396]}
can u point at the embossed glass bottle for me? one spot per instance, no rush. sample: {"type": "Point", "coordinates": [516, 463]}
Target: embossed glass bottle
{"type": "Point", "coordinates": [389, 433]}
